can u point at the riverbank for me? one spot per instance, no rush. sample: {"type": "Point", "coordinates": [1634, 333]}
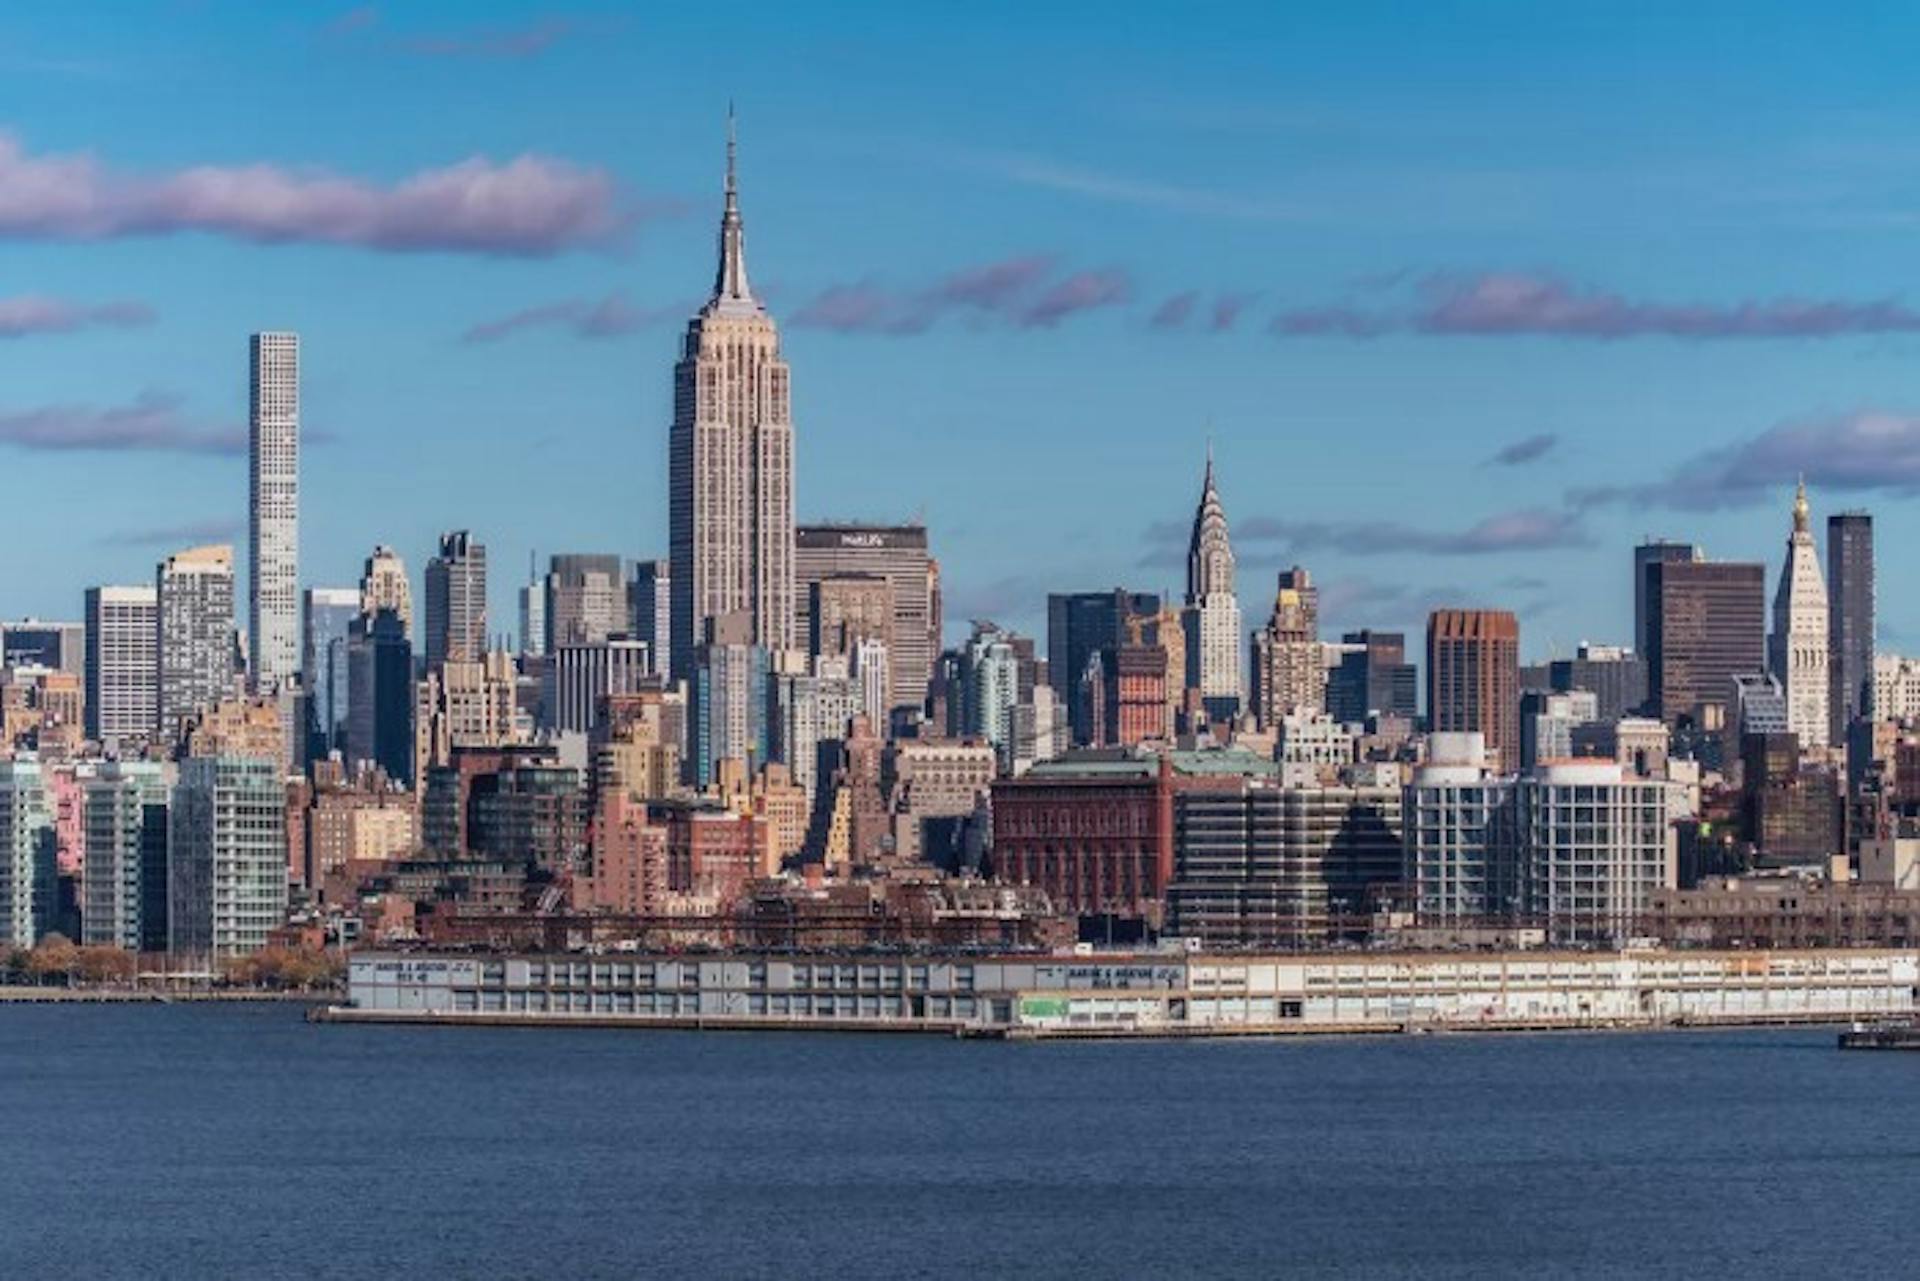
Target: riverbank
{"type": "Point", "coordinates": [962, 1030]}
{"type": "Point", "coordinates": [27, 995]}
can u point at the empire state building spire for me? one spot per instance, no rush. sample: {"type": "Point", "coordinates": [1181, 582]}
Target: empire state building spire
{"type": "Point", "coordinates": [730, 288]}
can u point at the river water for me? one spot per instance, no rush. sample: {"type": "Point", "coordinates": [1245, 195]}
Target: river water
{"type": "Point", "coordinates": [220, 1140]}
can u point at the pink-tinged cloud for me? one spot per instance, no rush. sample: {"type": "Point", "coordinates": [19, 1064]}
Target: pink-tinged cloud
{"type": "Point", "coordinates": [153, 423]}
{"type": "Point", "coordinates": [33, 314]}
{"type": "Point", "coordinates": [1173, 313]}
{"type": "Point", "coordinates": [1505, 304]}
{"type": "Point", "coordinates": [352, 20]}
{"type": "Point", "coordinates": [1020, 291]}
{"type": "Point", "coordinates": [1082, 291]}
{"type": "Point", "coordinates": [1527, 530]}
{"type": "Point", "coordinates": [529, 206]}
{"type": "Point", "coordinates": [1226, 311]}
{"type": "Point", "coordinates": [608, 317]}
{"type": "Point", "coordinates": [1869, 451]}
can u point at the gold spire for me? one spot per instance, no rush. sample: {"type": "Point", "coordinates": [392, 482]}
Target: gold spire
{"type": "Point", "coordinates": [1800, 506]}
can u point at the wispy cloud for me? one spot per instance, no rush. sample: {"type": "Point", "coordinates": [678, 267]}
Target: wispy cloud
{"type": "Point", "coordinates": [34, 314]}
{"type": "Point", "coordinates": [1022, 291]}
{"type": "Point", "coordinates": [1053, 175]}
{"type": "Point", "coordinates": [607, 317]}
{"type": "Point", "coordinates": [521, 42]}
{"type": "Point", "coordinates": [1522, 305]}
{"type": "Point", "coordinates": [1526, 530]}
{"type": "Point", "coordinates": [528, 206]}
{"type": "Point", "coordinates": [1526, 450]}
{"type": "Point", "coordinates": [480, 42]}
{"type": "Point", "coordinates": [1220, 316]}
{"type": "Point", "coordinates": [1871, 450]}
{"type": "Point", "coordinates": [153, 423]}
{"type": "Point", "coordinates": [1174, 312]}
{"type": "Point", "coordinates": [184, 535]}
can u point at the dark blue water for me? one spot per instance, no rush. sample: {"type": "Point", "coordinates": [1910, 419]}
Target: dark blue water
{"type": "Point", "coordinates": [223, 1141]}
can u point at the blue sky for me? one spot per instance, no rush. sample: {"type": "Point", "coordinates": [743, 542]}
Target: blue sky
{"type": "Point", "coordinates": [1660, 257]}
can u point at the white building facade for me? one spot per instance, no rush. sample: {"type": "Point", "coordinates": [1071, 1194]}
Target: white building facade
{"type": "Point", "coordinates": [273, 509]}
{"type": "Point", "coordinates": [1797, 652]}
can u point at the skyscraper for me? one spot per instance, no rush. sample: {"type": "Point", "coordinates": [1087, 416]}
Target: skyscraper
{"type": "Point", "coordinates": [380, 697]}
{"type": "Point", "coordinates": [1473, 679]}
{"type": "Point", "coordinates": [1289, 672]}
{"type": "Point", "coordinates": [1373, 676]}
{"type": "Point", "coordinates": [1212, 618]}
{"type": "Point", "coordinates": [1797, 655]}
{"type": "Point", "coordinates": [328, 617]}
{"type": "Point", "coordinates": [533, 613]}
{"type": "Point", "coordinates": [273, 508]}
{"type": "Point", "coordinates": [895, 553]}
{"type": "Point", "coordinates": [1850, 622]}
{"type": "Point", "coordinates": [123, 664]}
{"type": "Point", "coordinates": [1083, 626]}
{"type": "Point", "coordinates": [650, 600]}
{"type": "Point", "coordinates": [1654, 551]}
{"type": "Point", "coordinates": [586, 599]}
{"type": "Point", "coordinates": [457, 600]}
{"type": "Point", "coordinates": [384, 585]}
{"type": "Point", "coordinates": [730, 460]}
{"type": "Point", "coordinates": [194, 592]}
{"type": "Point", "coordinates": [1706, 624]}
{"type": "Point", "coordinates": [727, 707]}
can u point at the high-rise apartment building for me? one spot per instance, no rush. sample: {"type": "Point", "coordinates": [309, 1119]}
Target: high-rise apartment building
{"type": "Point", "coordinates": [28, 852]}
{"type": "Point", "coordinates": [326, 627]}
{"type": "Point", "coordinates": [194, 591]}
{"type": "Point", "coordinates": [727, 704]}
{"type": "Point", "coordinates": [586, 599]}
{"type": "Point", "coordinates": [123, 829]}
{"type": "Point", "coordinates": [650, 601]}
{"type": "Point", "coordinates": [730, 460]}
{"type": "Point", "coordinates": [273, 508]}
{"type": "Point", "coordinates": [1652, 552]}
{"type": "Point", "coordinates": [1797, 653]}
{"type": "Point", "coordinates": [457, 600]}
{"type": "Point", "coordinates": [1706, 624]}
{"type": "Point", "coordinates": [1212, 616]}
{"type": "Point", "coordinates": [1850, 620]}
{"type": "Point", "coordinates": [384, 585]}
{"type": "Point", "coordinates": [122, 664]}
{"type": "Point", "coordinates": [893, 554]}
{"type": "Point", "coordinates": [226, 855]}
{"type": "Point", "coordinates": [1289, 671]}
{"type": "Point", "coordinates": [1473, 679]}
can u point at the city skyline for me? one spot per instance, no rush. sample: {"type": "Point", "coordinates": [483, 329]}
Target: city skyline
{"type": "Point", "coordinates": [1385, 437]}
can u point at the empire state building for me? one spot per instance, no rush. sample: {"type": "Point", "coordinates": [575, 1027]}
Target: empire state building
{"type": "Point", "coordinates": [730, 460]}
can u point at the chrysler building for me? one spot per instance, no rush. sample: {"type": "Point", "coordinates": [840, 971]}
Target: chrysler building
{"type": "Point", "coordinates": [730, 460]}
{"type": "Point", "coordinates": [1212, 613]}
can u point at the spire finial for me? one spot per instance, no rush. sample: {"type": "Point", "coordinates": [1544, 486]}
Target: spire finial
{"type": "Point", "coordinates": [730, 282]}
{"type": "Point", "coordinates": [1800, 509]}
{"type": "Point", "coordinates": [733, 150]}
